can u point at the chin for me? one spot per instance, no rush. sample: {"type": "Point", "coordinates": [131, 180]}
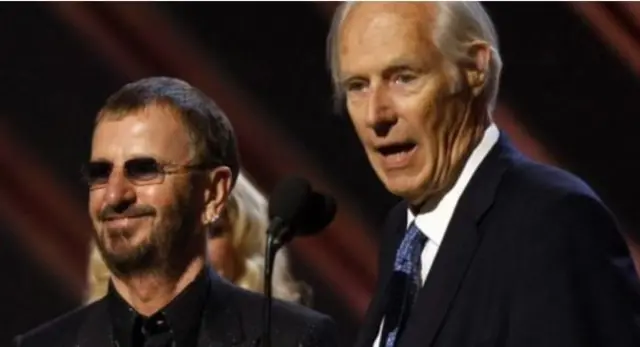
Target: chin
{"type": "Point", "coordinates": [122, 241]}
{"type": "Point", "coordinates": [120, 249]}
{"type": "Point", "coordinates": [409, 187]}
{"type": "Point", "coordinates": [401, 187]}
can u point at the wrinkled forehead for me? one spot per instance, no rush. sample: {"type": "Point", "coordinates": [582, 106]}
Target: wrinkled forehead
{"type": "Point", "coordinates": [380, 32]}
{"type": "Point", "coordinates": [153, 131]}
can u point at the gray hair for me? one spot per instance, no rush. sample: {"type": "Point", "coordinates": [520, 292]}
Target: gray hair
{"type": "Point", "coordinates": [209, 128]}
{"type": "Point", "coordinates": [458, 24]}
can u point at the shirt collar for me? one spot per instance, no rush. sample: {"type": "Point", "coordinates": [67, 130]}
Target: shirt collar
{"type": "Point", "coordinates": [434, 222]}
{"type": "Point", "coordinates": [183, 313]}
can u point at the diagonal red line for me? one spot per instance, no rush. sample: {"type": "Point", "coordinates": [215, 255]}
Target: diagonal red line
{"type": "Point", "coordinates": [626, 45]}
{"type": "Point", "coordinates": [41, 245]}
{"type": "Point", "coordinates": [41, 213]}
{"type": "Point", "coordinates": [38, 183]}
{"type": "Point", "coordinates": [633, 9]}
{"type": "Point", "coordinates": [522, 139]}
{"type": "Point", "coordinates": [605, 25]}
{"type": "Point", "coordinates": [96, 32]}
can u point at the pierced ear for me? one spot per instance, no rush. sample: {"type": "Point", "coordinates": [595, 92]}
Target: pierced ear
{"type": "Point", "coordinates": [476, 70]}
{"type": "Point", "coordinates": [216, 194]}
{"type": "Point", "coordinates": [210, 217]}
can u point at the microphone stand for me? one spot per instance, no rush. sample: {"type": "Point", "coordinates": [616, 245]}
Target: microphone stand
{"type": "Point", "coordinates": [273, 245]}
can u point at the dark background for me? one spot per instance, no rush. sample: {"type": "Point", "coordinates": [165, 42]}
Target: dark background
{"type": "Point", "coordinates": [568, 97]}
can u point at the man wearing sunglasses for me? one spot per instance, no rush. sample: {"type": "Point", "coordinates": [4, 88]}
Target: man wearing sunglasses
{"type": "Point", "coordinates": [163, 160]}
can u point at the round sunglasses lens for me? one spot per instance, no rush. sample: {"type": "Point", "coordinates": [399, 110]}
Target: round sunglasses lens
{"type": "Point", "coordinates": [142, 170]}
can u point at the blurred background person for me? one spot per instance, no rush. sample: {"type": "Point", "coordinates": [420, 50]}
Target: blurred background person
{"type": "Point", "coordinates": [236, 247]}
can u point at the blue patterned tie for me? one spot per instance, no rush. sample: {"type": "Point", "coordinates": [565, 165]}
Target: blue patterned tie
{"type": "Point", "coordinates": [405, 283]}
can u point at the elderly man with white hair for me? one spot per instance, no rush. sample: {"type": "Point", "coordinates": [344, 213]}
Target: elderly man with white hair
{"type": "Point", "coordinates": [488, 248]}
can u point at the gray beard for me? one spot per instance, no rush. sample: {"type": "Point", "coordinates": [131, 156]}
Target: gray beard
{"type": "Point", "coordinates": [165, 253]}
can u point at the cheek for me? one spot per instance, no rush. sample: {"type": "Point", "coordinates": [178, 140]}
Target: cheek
{"type": "Point", "coordinates": [164, 198]}
{"type": "Point", "coordinates": [95, 202]}
{"type": "Point", "coordinates": [357, 115]}
{"type": "Point", "coordinates": [426, 114]}
{"type": "Point", "coordinates": [153, 194]}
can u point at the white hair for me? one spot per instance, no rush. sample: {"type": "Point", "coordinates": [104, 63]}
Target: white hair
{"type": "Point", "coordinates": [458, 25]}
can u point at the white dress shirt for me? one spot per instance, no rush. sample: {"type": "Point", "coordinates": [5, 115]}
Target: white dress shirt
{"type": "Point", "coordinates": [434, 222]}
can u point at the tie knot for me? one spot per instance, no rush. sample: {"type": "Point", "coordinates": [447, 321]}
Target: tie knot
{"type": "Point", "coordinates": [416, 234]}
{"type": "Point", "coordinates": [408, 256]}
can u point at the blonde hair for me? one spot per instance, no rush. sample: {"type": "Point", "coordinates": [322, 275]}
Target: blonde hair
{"type": "Point", "coordinates": [246, 214]}
{"type": "Point", "coordinates": [98, 277]}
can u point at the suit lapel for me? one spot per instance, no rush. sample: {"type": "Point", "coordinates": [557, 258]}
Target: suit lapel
{"type": "Point", "coordinates": [95, 331]}
{"type": "Point", "coordinates": [456, 251]}
{"type": "Point", "coordinates": [222, 322]}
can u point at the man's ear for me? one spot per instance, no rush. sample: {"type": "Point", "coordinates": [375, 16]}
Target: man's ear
{"type": "Point", "coordinates": [478, 66]}
{"type": "Point", "coordinates": [216, 193]}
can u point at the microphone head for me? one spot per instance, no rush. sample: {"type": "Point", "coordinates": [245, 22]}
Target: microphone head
{"type": "Point", "coordinates": [288, 197]}
{"type": "Point", "coordinates": [318, 211]}
{"type": "Point", "coordinates": [317, 215]}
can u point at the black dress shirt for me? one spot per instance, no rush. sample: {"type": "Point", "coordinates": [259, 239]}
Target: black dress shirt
{"type": "Point", "coordinates": [176, 325]}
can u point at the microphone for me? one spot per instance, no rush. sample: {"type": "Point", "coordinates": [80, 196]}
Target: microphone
{"type": "Point", "coordinates": [285, 204]}
{"type": "Point", "coordinates": [294, 210]}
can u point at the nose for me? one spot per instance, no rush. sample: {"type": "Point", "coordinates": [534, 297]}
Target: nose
{"type": "Point", "coordinates": [380, 113]}
{"type": "Point", "coordinates": [119, 192]}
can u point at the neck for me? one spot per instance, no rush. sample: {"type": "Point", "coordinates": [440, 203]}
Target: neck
{"type": "Point", "coordinates": [459, 154]}
{"type": "Point", "coordinates": [148, 293]}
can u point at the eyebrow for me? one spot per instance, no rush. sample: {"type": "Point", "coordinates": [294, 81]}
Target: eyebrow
{"type": "Point", "coordinates": [132, 157]}
{"type": "Point", "coordinates": [398, 64]}
{"type": "Point", "coordinates": [98, 160]}
{"type": "Point", "coordinates": [395, 65]}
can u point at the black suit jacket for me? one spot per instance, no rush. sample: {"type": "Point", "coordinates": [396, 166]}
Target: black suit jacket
{"type": "Point", "coordinates": [232, 317]}
{"type": "Point", "coordinates": [526, 261]}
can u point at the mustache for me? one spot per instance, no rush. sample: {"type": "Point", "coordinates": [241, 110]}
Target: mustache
{"type": "Point", "coordinates": [113, 212]}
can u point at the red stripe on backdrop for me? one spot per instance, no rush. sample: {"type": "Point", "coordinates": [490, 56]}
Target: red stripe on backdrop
{"type": "Point", "coordinates": [92, 27]}
{"type": "Point", "coordinates": [41, 212]}
{"type": "Point", "coordinates": [605, 25]}
{"type": "Point", "coordinates": [633, 9]}
{"type": "Point", "coordinates": [520, 137]}
{"type": "Point", "coordinates": [626, 45]}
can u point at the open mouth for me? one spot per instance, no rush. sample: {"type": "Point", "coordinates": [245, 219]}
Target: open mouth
{"type": "Point", "coordinates": [395, 149]}
{"type": "Point", "coordinates": [398, 155]}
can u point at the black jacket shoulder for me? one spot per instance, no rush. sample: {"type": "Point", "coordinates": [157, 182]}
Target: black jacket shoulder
{"type": "Point", "coordinates": [61, 331]}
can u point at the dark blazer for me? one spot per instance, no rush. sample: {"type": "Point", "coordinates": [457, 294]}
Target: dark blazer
{"type": "Point", "coordinates": [526, 261]}
{"type": "Point", "coordinates": [232, 317]}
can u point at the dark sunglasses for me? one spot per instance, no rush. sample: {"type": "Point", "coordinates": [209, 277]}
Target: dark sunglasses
{"type": "Point", "coordinates": [139, 171]}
